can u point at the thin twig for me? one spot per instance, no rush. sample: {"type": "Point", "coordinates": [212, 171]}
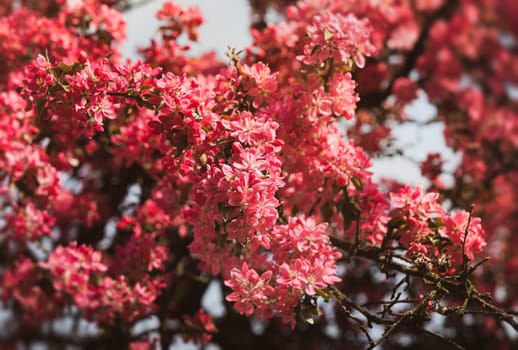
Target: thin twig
{"type": "Point", "coordinates": [443, 338]}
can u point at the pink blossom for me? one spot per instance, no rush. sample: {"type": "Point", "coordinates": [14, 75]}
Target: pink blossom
{"type": "Point", "coordinates": [405, 90]}
{"type": "Point", "coordinates": [249, 289]}
{"type": "Point", "coordinates": [264, 82]}
{"type": "Point", "coordinates": [456, 229]}
{"type": "Point", "coordinates": [343, 95]}
{"type": "Point", "coordinates": [73, 266]}
{"type": "Point", "coordinates": [343, 39]}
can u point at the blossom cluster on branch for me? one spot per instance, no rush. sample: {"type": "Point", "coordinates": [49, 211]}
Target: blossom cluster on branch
{"type": "Point", "coordinates": [128, 188]}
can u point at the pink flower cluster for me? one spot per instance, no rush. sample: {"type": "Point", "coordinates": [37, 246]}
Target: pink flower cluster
{"type": "Point", "coordinates": [302, 262]}
{"type": "Point", "coordinates": [180, 20]}
{"type": "Point", "coordinates": [169, 53]}
{"type": "Point", "coordinates": [199, 327]}
{"type": "Point", "coordinates": [78, 277]}
{"type": "Point", "coordinates": [237, 198]}
{"type": "Point", "coordinates": [344, 39]}
{"type": "Point", "coordinates": [259, 82]}
{"type": "Point", "coordinates": [428, 229]}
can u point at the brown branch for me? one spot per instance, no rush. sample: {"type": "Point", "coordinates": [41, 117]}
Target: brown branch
{"type": "Point", "coordinates": [444, 339]}
{"type": "Point", "coordinates": [409, 314]}
{"type": "Point", "coordinates": [458, 285]}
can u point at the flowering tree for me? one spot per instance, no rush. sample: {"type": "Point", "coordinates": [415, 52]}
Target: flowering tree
{"type": "Point", "coordinates": [127, 188]}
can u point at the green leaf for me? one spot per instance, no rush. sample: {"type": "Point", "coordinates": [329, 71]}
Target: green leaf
{"type": "Point", "coordinates": [197, 116]}
{"type": "Point", "coordinates": [315, 49]}
{"type": "Point", "coordinates": [143, 103]}
{"type": "Point", "coordinates": [349, 211]}
{"type": "Point", "coordinates": [357, 182]}
{"type": "Point", "coordinates": [328, 34]}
